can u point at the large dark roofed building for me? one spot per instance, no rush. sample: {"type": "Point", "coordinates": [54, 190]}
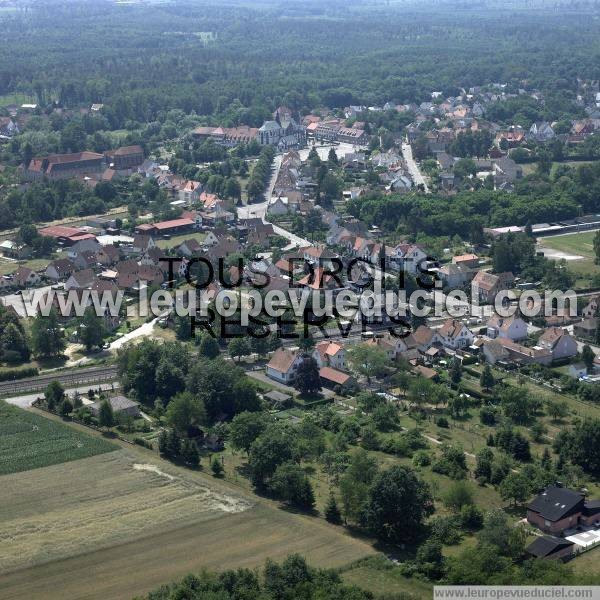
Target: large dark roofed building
{"type": "Point", "coordinates": [62, 166]}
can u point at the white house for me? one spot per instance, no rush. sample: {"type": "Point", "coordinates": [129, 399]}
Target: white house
{"type": "Point", "coordinates": [558, 341]}
{"type": "Point", "coordinates": [455, 334]}
{"type": "Point", "coordinates": [283, 364]}
{"type": "Point", "coordinates": [512, 328]}
{"type": "Point", "coordinates": [330, 354]}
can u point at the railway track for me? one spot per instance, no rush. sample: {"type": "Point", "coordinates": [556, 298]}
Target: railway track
{"type": "Point", "coordinates": [71, 378]}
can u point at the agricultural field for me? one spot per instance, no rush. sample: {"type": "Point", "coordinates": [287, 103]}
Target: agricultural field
{"type": "Point", "coordinates": [122, 523]}
{"type": "Point", "coordinates": [30, 441]}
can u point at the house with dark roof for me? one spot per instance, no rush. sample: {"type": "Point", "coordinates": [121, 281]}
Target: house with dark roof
{"type": "Point", "coordinates": [557, 509]}
{"type": "Point", "coordinates": [550, 547]}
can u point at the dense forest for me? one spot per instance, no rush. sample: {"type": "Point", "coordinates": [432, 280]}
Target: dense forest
{"type": "Point", "coordinates": [235, 63]}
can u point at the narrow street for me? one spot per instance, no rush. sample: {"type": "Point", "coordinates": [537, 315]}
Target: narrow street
{"type": "Point", "coordinates": [413, 168]}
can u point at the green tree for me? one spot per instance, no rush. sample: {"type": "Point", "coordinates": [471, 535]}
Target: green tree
{"type": "Point", "coordinates": [459, 494]}
{"type": "Point", "coordinates": [91, 329]}
{"type": "Point", "coordinates": [307, 380]}
{"type": "Point", "coordinates": [185, 410]}
{"type": "Point", "coordinates": [54, 394]}
{"type": "Point", "coordinates": [190, 454]}
{"type": "Point", "coordinates": [487, 380]}
{"type": "Point", "coordinates": [65, 408]}
{"type": "Point", "coordinates": [291, 484]}
{"type": "Point", "coordinates": [456, 371]}
{"type": "Point", "coordinates": [367, 360]}
{"type": "Point", "coordinates": [106, 417]}
{"type": "Point", "coordinates": [238, 347]}
{"type": "Point", "coordinates": [271, 449]}
{"type": "Point", "coordinates": [596, 243]}
{"type": "Point", "coordinates": [398, 503]}
{"type": "Point", "coordinates": [216, 467]}
{"type": "Point", "coordinates": [47, 337]}
{"type": "Point", "coordinates": [245, 428]}
{"type": "Point", "coordinates": [588, 356]}
{"type": "Point", "coordinates": [332, 512]}
{"type": "Point", "coordinates": [209, 347]}
{"type": "Point", "coordinates": [514, 487]}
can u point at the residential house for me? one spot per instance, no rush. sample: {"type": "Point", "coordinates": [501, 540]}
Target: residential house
{"type": "Point", "coordinates": [120, 406]}
{"type": "Point", "coordinates": [283, 364]}
{"type": "Point", "coordinates": [330, 354]}
{"type": "Point", "coordinates": [190, 192]}
{"type": "Point", "coordinates": [25, 277]}
{"type": "Point", "coordinates": [504, 349]}
{"type": "Point", "coordinates": [486, 286]}
{"type": "Point", "coordinates": [108, 255]}
{"type": "Point", "coordinates": [84, 260]}
{"type": "Point", "coordinates": [455, 334]}
{"type": "Point", "coordinates": [586, 329]}
{"type": "Point", "coordinates": [558, 509]}
{"type": "Point", "coordinates": [425, 338]}
{"type": "Point", "coordinates": [142, 243]}
{"type": "Point", "coordinates": [189, 248]}
{"type": "Point", "coordinates": [560, 342]}
{"type": "Point", "coordinates": [541, 132]}
{"type": "Point", "coordinates": [513, 328]}
{"type": "Point", "coordinates": [466, 260]}
{"type": "Point", "coordinates": [454, 276]}
{"type": "Point", "coordinates": [407, 258]}
{"type": "Point", "coordinates": [80, 280]}
{"type": "Point", "coordinates": [60, 269]}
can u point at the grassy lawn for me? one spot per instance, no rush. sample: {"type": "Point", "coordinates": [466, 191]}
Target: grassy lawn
{"type": "Point", "coordinates": [578, 244]}
{"type": "Point", "coordinates": [30, 441]}
{"type": "Point", "coordinates": [177, 239]}
{"type": "Point", "coordinates": [386, 581]}
{"type": "Point", "coordinates": [10, 266]}
{"type": "Point", "coordinates": [16, 97]}
{"type": "Point", "coordinates": [586, 563]}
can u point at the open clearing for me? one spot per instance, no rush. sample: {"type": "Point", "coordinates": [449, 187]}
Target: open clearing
{"type": "Point", "coordinates": [577, 249]}
{"type": "Point", "coordinates": [578, 246]}
{"type": "Point", "coordinates": [122, 523]}
{"type": "Point", "coordinates": [30, 441]}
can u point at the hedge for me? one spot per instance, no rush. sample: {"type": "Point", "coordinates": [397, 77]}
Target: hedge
{"type": "Point", "coordinates": [12, 374]}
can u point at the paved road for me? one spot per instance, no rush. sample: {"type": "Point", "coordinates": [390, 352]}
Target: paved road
{"type": "Point", "coordinates": [250, 211]}
{"type": "Point", "coordinates": [16, 300]}
{"type": "Point", "coordinates": [413, 168]}
{"type": "Point", "coordinates": [260, 210]}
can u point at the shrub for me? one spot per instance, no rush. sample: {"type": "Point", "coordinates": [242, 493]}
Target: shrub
{"type": "Point", "coordinates": [421, 459]}
{"type": "Point", "coordinates": [442, 422]}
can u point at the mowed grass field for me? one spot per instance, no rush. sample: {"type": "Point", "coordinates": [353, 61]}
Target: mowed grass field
{"type": "Point", "coordinates": [29, 441]}
{"type": "Point", "coordinates": [576, 244]}
{"type": "Point", "coordinates": [121, 523]}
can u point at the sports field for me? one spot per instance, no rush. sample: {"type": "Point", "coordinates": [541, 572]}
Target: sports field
{"type": "Point", "coordinates": [577, 249]}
